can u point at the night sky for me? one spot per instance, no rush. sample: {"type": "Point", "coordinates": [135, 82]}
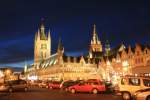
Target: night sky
{"type": "Point", "coordinates": [119, 21]}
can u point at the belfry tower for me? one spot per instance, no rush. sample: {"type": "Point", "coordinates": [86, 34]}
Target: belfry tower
{"type": "Point", "coordinates": [42, 46]}
{"type": "Point", "coordinates": [95, 45]}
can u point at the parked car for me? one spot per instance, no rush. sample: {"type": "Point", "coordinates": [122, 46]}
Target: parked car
{"type": "Point", "coordinates": [88, 86]}
{"type": "Point", "coordinates": [128, 85]}
{"type": "Point", "coordinates": [54, 85]}
{"type": "Point", "coordinates": [143, 94]}
{"type": "Point", "coordinates": [66, 84]}
{"type": "Point", "coordinates": [14, 85]}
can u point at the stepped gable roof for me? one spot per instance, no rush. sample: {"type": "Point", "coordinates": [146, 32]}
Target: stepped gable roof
{"type": "Point", "coordinates": [145, 46]}
{"type": "Point", "coordinates": [116, 50]}
{"type": "Point", "coordinates": [142, 47]}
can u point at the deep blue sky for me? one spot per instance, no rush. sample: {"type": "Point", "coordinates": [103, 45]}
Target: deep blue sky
{"type": "Point", "coordinates": [118, 21]}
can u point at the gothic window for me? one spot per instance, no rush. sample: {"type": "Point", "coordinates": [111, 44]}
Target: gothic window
{"type": "Point", "coordinates": [43, 46]}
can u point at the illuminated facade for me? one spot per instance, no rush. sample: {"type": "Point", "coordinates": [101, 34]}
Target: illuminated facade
{"type": "Point", "coordinates": [60, 66]}
{"type": "Point", "coordinates": [97, 64]}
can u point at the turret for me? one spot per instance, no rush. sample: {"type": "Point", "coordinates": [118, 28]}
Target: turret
{"type": "Point", "coordinates": [60, 48]}
{"type": "Point", "coordinates": [49, 40]}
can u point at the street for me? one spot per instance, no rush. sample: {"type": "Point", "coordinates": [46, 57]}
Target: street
{"type": "Point", "coordinates": [46, 94]}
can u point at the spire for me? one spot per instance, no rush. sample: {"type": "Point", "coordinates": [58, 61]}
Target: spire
{"type": "Point", "coordinates": [35, 36]}
{"type": "Point", "coordinates": [60, 45]}
{"type": "Point", "coordinates": [95, 42]}
{"type": "Point", "coordinates": [95, 39]}
{"type": "Point", "coordinates": [82, 61]}
{"type": "Point", "coordinates": [94, 29]}
{"type": "Point", "coordinates": [49, 35]}
{"type": "Point", "coordinates": [38, 34]}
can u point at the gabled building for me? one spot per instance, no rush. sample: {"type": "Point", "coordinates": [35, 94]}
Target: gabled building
{"type": "Point", "coordinates": [130, 60]}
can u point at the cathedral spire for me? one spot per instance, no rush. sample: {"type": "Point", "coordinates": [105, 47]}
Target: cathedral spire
{"type": "Point", "coordinates": [60, 45]}
{"type": "Point", "coordinates": [94, 29]}
{"type": "Point", "coordinates": [49, 35]}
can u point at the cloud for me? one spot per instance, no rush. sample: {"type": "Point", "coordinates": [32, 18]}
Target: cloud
{"type": "Point", "coordinates": [16, 50]}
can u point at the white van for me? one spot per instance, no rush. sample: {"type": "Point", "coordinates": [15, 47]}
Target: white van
{"type": "Point", "coordinates": [129, 84]}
